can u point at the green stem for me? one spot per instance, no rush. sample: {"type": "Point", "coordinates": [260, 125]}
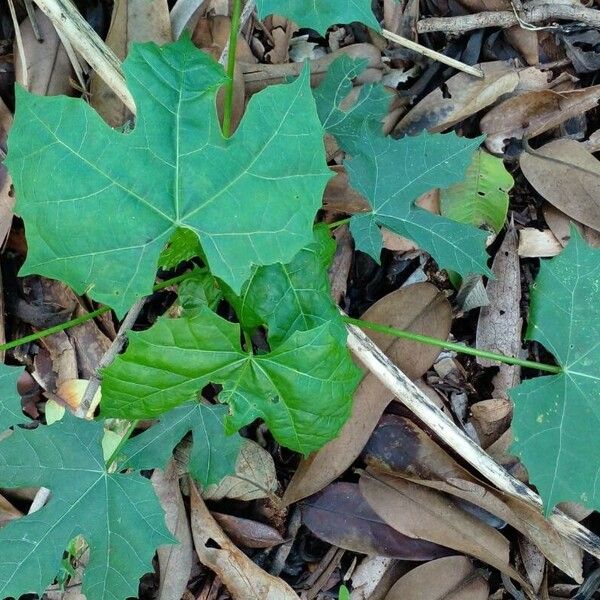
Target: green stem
{"type": "Point", "coordinates": [113, 457]}
{"type": "Point", "coordinates": [233, 38]}
{"type": "Point", "coordinates": [431, 341]}
{"type": "Point", "coordinates": [38, 335]}
{"type": "Point", "coordinates": [339, 223]}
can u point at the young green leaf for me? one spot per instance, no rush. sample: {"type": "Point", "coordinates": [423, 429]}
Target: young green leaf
{"type": "Point", "coordinates": [349, 124]}
{"type": "Point", "coordinates": [302, 388]}
{"type": "Point", "coordinates": [213, 455]}
{"type": "Point", "coordinates": [320, 14]}
{"type": "Point", "coordinates": [557, 418]}
{"type": "Point", "coordinates": [292, 297]}
{"type": "Point", "coordinates": [11, 412]}
{"type": "Point", "coordinates": [251, 199]}
{"type": "Point", "coordinates": [183, 245]}
{"type": "Point", "coordinates": [481, 199]}
{"type": "Point", "coordinates": [392, 174]}
{"type": "Point", "coordinates": [118, 515]}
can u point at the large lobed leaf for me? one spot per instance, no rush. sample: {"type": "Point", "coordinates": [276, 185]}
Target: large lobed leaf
{"type": "Point", "coordinates": [251, 199]}
{"type": "Point", "coordinates": [557, 418]}
{"type": "Point", "coordinates": [391, 174]}
{"type": "Point", "coordinates": [11, 412]}
{"type": "Point", "coordinates": [118, 515]}
{"type": "Point", "coordinates": [302, 388]}
{"type": "Point", "coordinates": [320, 14]}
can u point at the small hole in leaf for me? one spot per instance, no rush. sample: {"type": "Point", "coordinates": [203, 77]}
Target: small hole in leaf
{"type": "Point", "coordinates": [445, 91]}
{"type": "Point", "coordinates": [502, 312]}
{"type": "Point", "coordinates": [210, 543]}
{"type": "Point", "coordinates": [480, 193]}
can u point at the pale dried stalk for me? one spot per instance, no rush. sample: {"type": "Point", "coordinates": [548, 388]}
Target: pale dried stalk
{"type": "Point", "coordinates": [447, 60]}
{"type": "Point", "coordinates": [507, 18]}
{"type": "Point", "coordinates": [19, 40]}
{"type": "Point", "coordinates": [420, 404]}
{"type": "Point", "coordinates": [67, 19]}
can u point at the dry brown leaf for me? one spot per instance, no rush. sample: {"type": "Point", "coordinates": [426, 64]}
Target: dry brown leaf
{"type": "Point", "coordinates": [174, 561]}
{"type": "Point", "coordinates": [524, 41]}
{"type": "Point", "coordinates": [533, 561]}
{"type": "Point", "coordinates": [534, 243]}
{"type": "Point", "coordinates": [569, 179]}
{"type": "Point", "coordinates": [7, 199]}
{"type": "Point", "coordinates": [460, 97]}
{"type": "Point", "coordinates": [491, 418]}
{"type": "Point", "coordinates": [424, 513]}
{"type": "Point", "coordinates": [244, 579]}
{"type": "Point", "coordinates": [132, 21]}
{"type": "Point", "coordinates": [420, 308]}
{"type": "Point", "coordinates": [254, 477]}
{"type": "Point", "coordinates": [8, 512]}
{"type": "Point", "coordinates": [48, 66]}
{"type": "Point", "coordinates": [500, 323]}
{"type": "Point", "coordinates": [248, 533]}
{"type": "Point", "coordinates": [421, 460]}
{"type": "Point", "coordinates": [533, 113]}
{"type": "Point", "coordinates": [560, 225]}
{"type": "Point", "coordinates": [448, 578]}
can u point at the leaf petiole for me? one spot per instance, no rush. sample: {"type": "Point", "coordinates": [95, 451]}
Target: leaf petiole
{"type": "Point", "coordinates": [431, 341]}
{"type": "Point", "coordinates": [236, 12]}
{"type": "Point", "coordinates": [339, 223]}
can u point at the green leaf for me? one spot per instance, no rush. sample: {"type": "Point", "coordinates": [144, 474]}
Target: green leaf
{"type": "Point", "coordinates": [251, 199]}
{"type": "Point", "coordinates": [292, 297]}
{"type": "Point", "coordinates": [302, 388]}
{"type": "Point", "coordinates": [118, 515]}
{"type": "Point", "coordinates": [350, 124]}
{"type": "Point", "coordinates": [199, 289]}
{"type": "Point", "coordinates": [213, 455]}
{"type": "Point", "coordinates": [11, 412]}
{"type": "Point", "coordinates": [184, 245]}
{"type": "Point", "coordinates": [320, 14]}
{"type": "Point", "coordinates": [392, 174]}
{"type": "Point", "coordinates": [557, 418]}
{"type": "Point", "coordinates": [482, 198]}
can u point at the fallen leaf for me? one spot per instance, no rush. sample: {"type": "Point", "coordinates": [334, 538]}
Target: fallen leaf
{"type": "Point", "coordinates": [341, 516]}
{"type": "Point", "coordinates": [500, 323]}
{"type": "Point", "coordinates": [420, 308]}
{"type": "Point", "coordinates": [491, 418]}
{"type": "Point", "coordinates": [458, 98]}
{"type": "Point", "coordinates": [7, 199]}
{"type": "Point", "coordinates": [448, 578]}
{"type": "Point", "coordinates": [532, 113]}
{"type": "Point", "coordinates": [132, 21]}
{"type": "Point", "coordinates": [248, 533]}
{"type": "Point", "coordinates": [244, 579]}
{"type": "Point", "coordinates": [48, 66]}
{"type": "Point", "coordinates": [560, 225]}
{"type": "Point", "coordinates": [426, 514]}
{"type": "Point", "coordinates": [8, 512]}
{"type": "Point", "coordinates": [533, 561]}
{"type": "Point", "coordinates": [569, 179]}
{"type": "Point", "coordinates": [534, 243]}
{"type": "Point", "coordinates": [255, 476]}
{"type": "Point", "coordinates": [400, 448]}
{"type": "Point", "coordinates": [174, 561]}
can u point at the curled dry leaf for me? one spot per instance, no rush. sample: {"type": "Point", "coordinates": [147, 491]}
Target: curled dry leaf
{"type": "Point", "coordinates": [569, 178]}
{"type": "Point", "coordinates": [458, 98]}
{"type": "Point", "coordinates": [491, 418]}
{"type": "Point", "coordinates": [248, 533]}
{"type": "Point", "coordinates": [175, 561]}
{"type": "Point", "coordinates": [132, 21]}
{"type": "Point", "coordinates": [534, 243]}
{"type": "Point", "coordinates": [48, 66]}
{"type": "Point", "coordinates": [254, 477]}
{"type": "Point", "coordinates": [420, 308]}
{"type": "Point", "coordinates": [533, 113]}
{"type": "Point", "coordinates": [450, 578]}
{"type": "Point", "coordinates": [560, 225]}
{"type": "Point", "coordinates": [400, 448]}
{"type": "Point", "coordinates": [499, 324]}
{"type": "Point", "coordinates": [244, 579]}
{"type": "Point", "coordinates": [341, 516]}
{"type": "Point", "coordinates": [426, 514]}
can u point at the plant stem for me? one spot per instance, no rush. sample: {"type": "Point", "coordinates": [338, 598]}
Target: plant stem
{"type": "Point", "coordinates": [233, 37]}
{"type": "Point", "coordinates": [82, 319]}
{"type": "Point", "coordinates": [120, 445]}
{"type": "Point", "coordinates": [431, 341]}
{"type": "Point", "coordinates": [339, 223]}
